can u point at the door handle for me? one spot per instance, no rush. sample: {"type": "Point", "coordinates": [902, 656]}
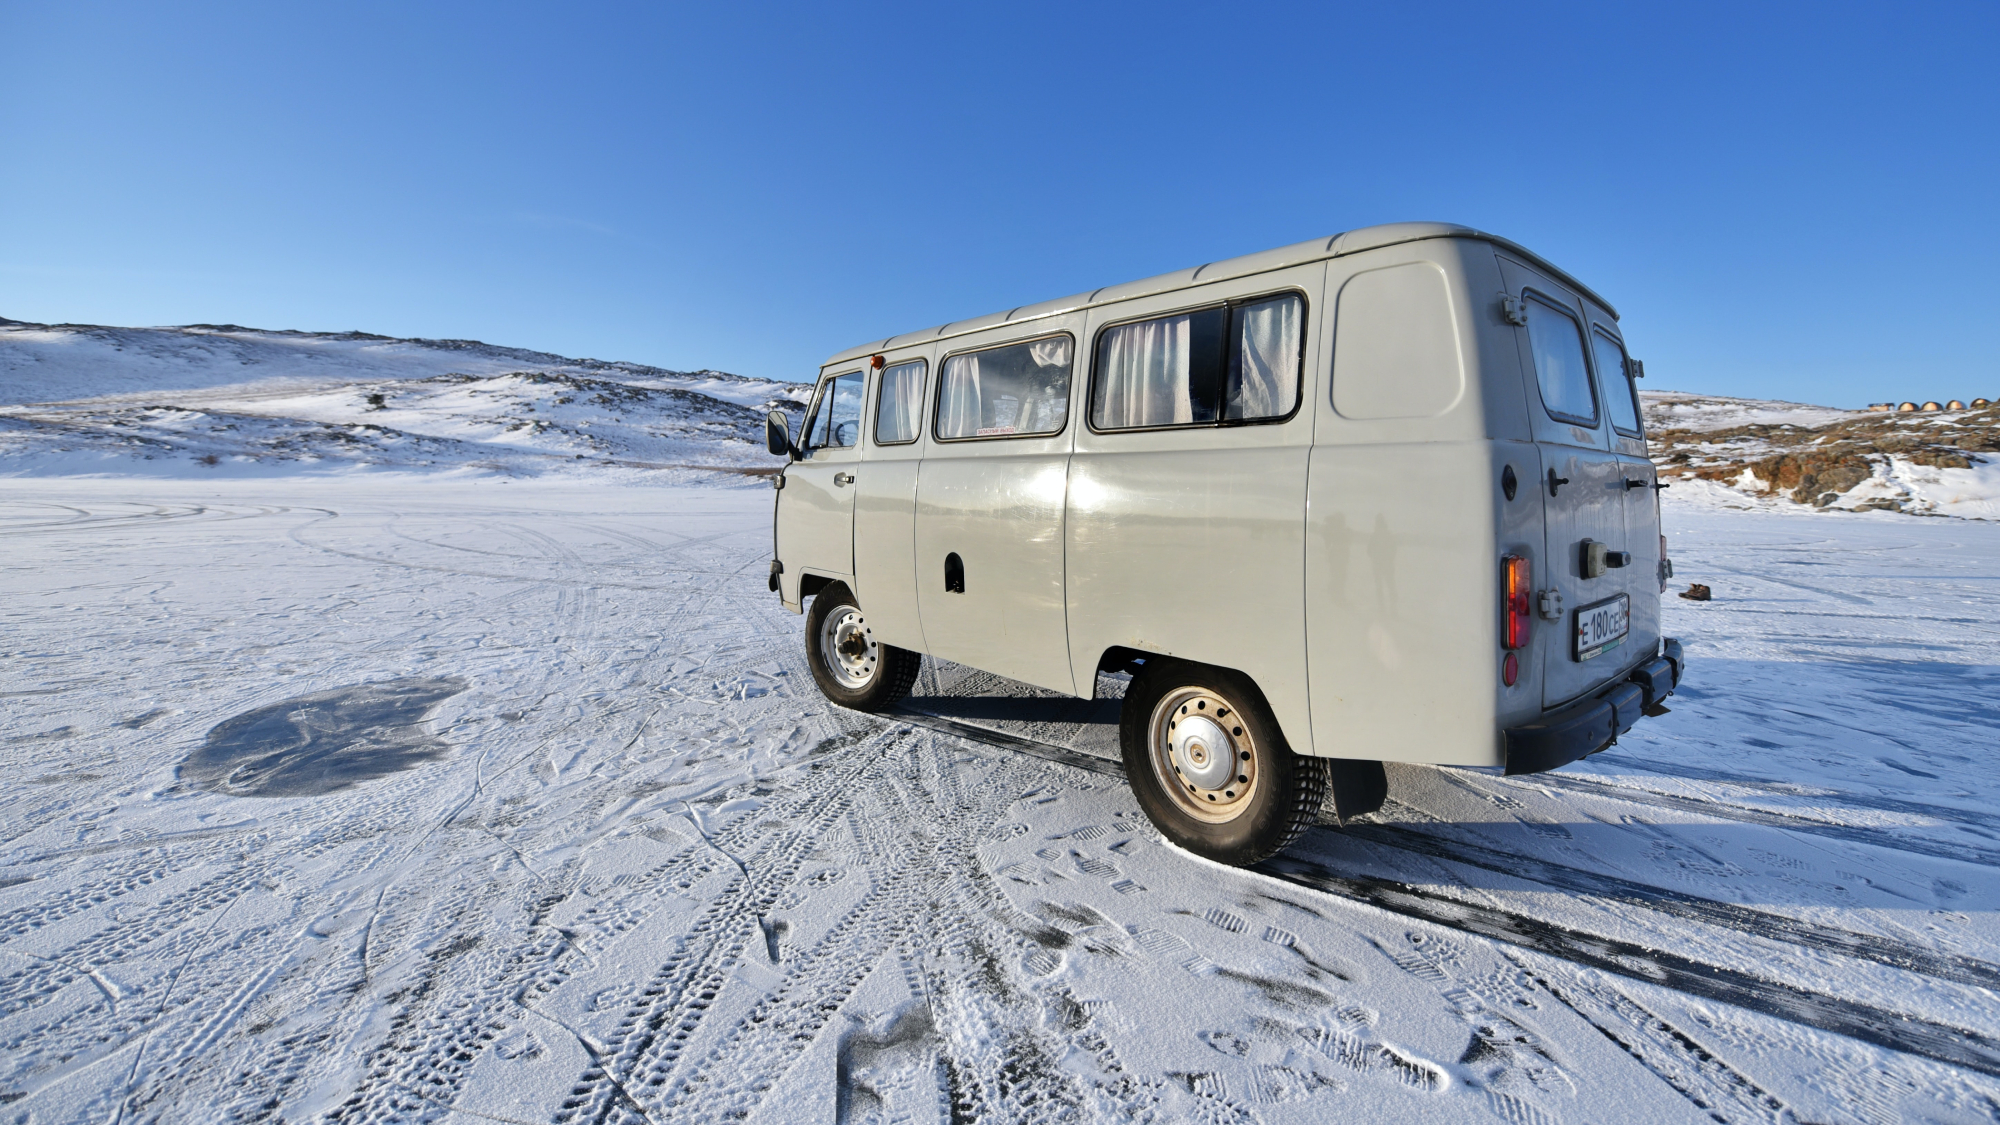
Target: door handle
{"type": "Point", "coordinates": [1631, 484]}
{"type": "Point", "coordinates": [843, 478]}
{"type": "Point", "coordinates": [1556, 482]}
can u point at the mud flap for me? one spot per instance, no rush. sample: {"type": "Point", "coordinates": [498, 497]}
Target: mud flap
{"type": "Point", "coordinates": [1358, 787]}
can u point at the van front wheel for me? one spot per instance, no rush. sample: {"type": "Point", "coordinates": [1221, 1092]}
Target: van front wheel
{"type": "Point", "coordinates": [849, 665]}
{"type": "Point", "coordinates": [1209, 766]}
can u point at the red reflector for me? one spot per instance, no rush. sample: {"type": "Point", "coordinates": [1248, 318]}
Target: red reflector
{"type": "Point", "coordinates": [1517, 615]}
{"type": "Point", "coordinates": [1510, 670]}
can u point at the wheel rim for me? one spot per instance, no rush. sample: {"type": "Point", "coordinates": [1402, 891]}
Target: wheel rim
{"type": "Point", "coordinates": [1203, 755]}
{"type": "Point", "coordinates": [847, 647]}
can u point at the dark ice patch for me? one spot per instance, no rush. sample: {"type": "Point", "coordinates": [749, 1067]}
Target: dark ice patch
{"type": "Point", "coordinates": [322, 743]}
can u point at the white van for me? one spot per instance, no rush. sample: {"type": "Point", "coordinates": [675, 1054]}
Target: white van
{"type": "Point", "coordinates": [1377, 497]}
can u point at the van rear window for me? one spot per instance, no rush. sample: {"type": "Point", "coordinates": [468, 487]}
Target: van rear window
{"type": "Point", "coordinates": [1015, 390]}
{"type": "Point", "coordinates": [1230, 363]}
{"type": "Point", "coordinates": [1619, 396]}
{"type": "Point", "coordinates": [899, 403]}
{"type": "Point", "coordinates": [1557, 341]}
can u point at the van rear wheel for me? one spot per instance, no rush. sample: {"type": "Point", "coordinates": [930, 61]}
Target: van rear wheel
{"type": "Point", "coordinates": [1210, 767]}
{"type": "Point", "coordinates": [849, 665]}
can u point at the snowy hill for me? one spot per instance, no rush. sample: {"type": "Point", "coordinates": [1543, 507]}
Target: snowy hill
{"type": "Point", "coordinates": [1743, 452]}
{"type": "Point", "coordinates": [220, 398]}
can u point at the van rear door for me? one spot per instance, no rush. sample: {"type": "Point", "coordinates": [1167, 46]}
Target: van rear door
{"type": "Point", "coordinates": [1642, 505]}
{"type": "Point", "coordinates": [1582, 490]}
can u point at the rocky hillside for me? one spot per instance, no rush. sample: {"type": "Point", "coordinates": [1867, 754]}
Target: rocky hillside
{"type": "Point", "coordinates": [1926, 463]}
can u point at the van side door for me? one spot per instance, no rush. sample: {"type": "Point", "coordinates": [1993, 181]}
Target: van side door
{"type": "Point", "coordinates": [816, 514]}
{"type": "Point", "coordinates": [885, 500]}
{"type": "Point", "coordinates": [989, 542]}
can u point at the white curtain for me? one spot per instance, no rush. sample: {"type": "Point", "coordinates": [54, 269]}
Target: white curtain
{"type": "Point", "coordinates": [1265, 379]}
{"type": "Point", "coordinates": [958, 410]}
{"type": "Point", "coordinates": [1046, 387]}
{"type": "Point", "coordinates": [1143, 376]}
{"type": "Point", "coordinates": [902, 403]}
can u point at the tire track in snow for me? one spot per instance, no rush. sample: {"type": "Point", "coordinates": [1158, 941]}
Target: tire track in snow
{"type": "Point", "coordinates": [1747, 920]}
{"type": "Point", "coordinates": [1856, 1020]}
{"type": "Point", "coordinates": [1643, 796]}
{"type": "Point", "coordinates": [1870, 837]}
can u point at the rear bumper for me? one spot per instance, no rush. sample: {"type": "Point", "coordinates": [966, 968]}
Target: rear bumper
{"type": "Point", "coordinates": [1585, 727]}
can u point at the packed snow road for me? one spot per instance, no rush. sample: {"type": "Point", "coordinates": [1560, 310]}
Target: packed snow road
{"type": "Point", "coordinates": [404, 799]}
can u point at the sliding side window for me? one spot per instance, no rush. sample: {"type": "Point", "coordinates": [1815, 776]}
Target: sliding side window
{"type": "Point", "coordinates": [1557, 341]}
{"type": "Point", "coordinates": [899, 403]}
{"type": "Point", "coordinates": [1231, 363]}
{"type": "Point", "coordinates": [1015, 390]}
{"type": "Point", "coordinates": [1620, 394]}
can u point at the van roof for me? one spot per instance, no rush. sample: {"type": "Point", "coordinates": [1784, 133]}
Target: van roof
{"type": "Point", "coordinates": [1350, 242]}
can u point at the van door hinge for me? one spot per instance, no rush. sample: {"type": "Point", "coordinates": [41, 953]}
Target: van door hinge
{"type": "Point", "coordinates": [1513, 309]}
{"type": "Point", "coordinates": [1636, 367]}
{"type": "Point", "coordinates": [1552, 604]}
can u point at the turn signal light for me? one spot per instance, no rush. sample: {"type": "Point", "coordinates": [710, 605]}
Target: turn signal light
{"type": "Point", "coordinates": [1518, 614]}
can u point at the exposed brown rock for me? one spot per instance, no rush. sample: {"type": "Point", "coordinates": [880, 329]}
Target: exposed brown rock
{"type": "Point", "coordinates": [1819, 464]}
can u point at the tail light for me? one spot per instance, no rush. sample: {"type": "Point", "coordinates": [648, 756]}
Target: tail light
{"type": "Point", "coordinates": [1518, 612]}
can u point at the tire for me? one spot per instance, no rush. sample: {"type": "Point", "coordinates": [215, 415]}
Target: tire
{"type": "Point", "coordinates": [1179, 722]}
{"type": "Point", "coordinates": [848, 665]}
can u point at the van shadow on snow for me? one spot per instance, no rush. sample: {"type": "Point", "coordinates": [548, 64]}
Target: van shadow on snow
{"type": "Point", "coordinates": [322, 743]}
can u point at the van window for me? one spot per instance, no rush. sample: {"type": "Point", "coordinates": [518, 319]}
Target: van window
{"type": "Point", "coordinates": [1231, 363]}
{"type": "Point", "coordinates": [1014, 390]}
{"type": "Point", "coordinates": [1160, 372]}
{"type": "Point", "coordinates": [1620, 397]}
{"type": "Point", "coordinates": [1557, 341]}
{"type": "Point", "coordinates": [899, 403]}
{"type": "Point", "coordinates": [836, 420]}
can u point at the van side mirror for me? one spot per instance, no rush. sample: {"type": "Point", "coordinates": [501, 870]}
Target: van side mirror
{"type": "Point", "coordinates": [778, 435]}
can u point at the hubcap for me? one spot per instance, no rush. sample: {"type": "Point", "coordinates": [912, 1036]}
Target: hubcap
{"type": "Point", "coordinates": [1203, 755]}
{"type": "Point", "coordinates": [848, 647]}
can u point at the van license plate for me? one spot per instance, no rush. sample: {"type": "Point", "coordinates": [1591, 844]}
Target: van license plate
{"type": "Point", "coordinates": [1601, 626]}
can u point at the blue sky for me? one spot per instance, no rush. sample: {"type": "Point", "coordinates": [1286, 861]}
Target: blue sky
{"type": "Point", "coordinates": [1787, 201]}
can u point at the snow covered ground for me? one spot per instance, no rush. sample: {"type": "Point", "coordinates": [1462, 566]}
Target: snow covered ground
{"type": "Point", "coordinates": [564, 833]}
